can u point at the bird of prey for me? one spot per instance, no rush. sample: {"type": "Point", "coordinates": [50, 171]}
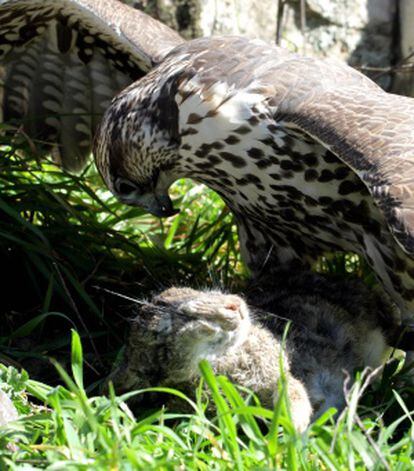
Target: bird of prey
{"type": "Point", "coordinates": [64, 60]}
{"type": "Point", "coordinates": [310, 155]}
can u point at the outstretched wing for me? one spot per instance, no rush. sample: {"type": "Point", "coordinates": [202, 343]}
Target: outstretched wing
{"type": "Point", "coordinates": [368, 129]}
{"type": "Point", "coordinates": [63, 60]}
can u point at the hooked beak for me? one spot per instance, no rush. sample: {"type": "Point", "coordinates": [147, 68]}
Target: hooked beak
{"type": "Point", "coordinates": [162, 206]}
{"type": "Point", "coordinates": [159, 205]}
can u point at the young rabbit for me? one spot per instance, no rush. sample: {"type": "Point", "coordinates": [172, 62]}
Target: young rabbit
{"type": "Point", "coordinates": [335, 327]}
{"type": "Point", "coordinates": [182, 326]}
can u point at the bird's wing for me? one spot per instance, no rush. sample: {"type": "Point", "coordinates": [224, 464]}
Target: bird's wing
{"type": "Point", "coordinates": [63, 60]}
{"type": "Point", "coordinates": [368, 129]}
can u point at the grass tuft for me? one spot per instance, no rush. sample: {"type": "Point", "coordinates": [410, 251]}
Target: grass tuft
{"type": "Point", "coordinates": [70, 429]}
{"type": "Point", "coordinates": [71, 251]}
{"type": "Point", "coordinates": [74, 259]}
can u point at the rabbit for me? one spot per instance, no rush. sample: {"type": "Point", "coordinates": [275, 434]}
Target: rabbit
{"type": "Point", "coordinates": [181, 326]}
{"type": "Point", "coordinates": [334, 327]}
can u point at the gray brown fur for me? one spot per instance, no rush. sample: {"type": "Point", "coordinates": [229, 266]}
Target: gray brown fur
{"type": "Point", "coordinates": [328, 336]}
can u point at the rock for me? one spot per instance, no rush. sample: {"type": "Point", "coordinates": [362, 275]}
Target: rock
{"type": "Point", "coordinates": [361, 32]}
{"type": "Point", "coordinates": [403, 82]}
{"type": "Point", "coordinates": [8, 412]}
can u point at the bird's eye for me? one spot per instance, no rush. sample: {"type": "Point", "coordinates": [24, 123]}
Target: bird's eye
{"type": "Point", "coordinates": [125, 187]}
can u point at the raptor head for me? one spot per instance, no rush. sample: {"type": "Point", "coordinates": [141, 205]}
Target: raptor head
{"type": "Point", "coordinates": [136, 146]}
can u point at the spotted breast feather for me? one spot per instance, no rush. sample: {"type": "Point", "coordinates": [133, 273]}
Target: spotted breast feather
{"type": "Point", "coordinates": [310, 155]}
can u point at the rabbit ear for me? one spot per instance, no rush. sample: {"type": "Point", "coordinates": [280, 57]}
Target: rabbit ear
{"type": "Point", "coordinates": [63, 61]}
{"type": "Point", "coordinates": [233, 304]}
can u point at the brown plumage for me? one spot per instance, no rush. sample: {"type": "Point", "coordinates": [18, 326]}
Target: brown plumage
{"type": "Point", "coordinates": [63, 61]}
{"type": "Point", "coordinates": [310, 155]}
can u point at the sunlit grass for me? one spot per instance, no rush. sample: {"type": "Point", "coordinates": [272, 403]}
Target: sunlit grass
{"type": "Point", "coordinates": [69, 251]}
{"type": "Point", "coordinates": [70, 429]}
{"type": "Point", "coordinates": [65, 240]}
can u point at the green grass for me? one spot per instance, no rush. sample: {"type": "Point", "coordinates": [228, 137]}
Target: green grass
{"type": "Point", "coordinates": [65, 241]}
{"type": "Point", "coordinates": [72, 254]}
{"type": "Point", "coordinates": [74, 430]}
